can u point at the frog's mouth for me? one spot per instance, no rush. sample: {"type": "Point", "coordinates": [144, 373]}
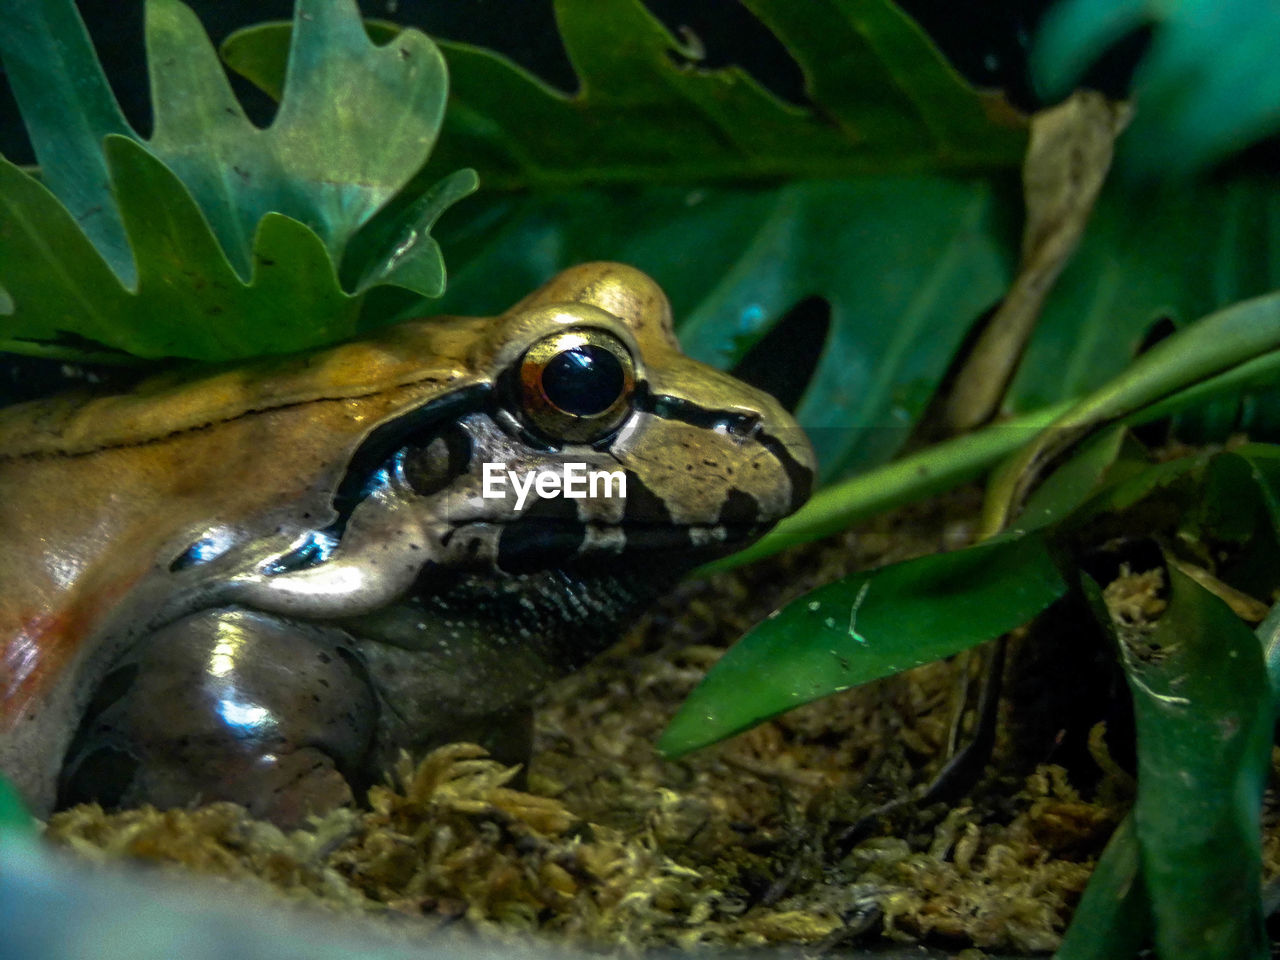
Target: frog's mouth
{"type": "Point", "coordinates": [538, 543]}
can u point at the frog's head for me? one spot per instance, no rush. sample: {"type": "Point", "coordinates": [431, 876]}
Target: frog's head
{"type": "Point", "coordinates": [582, 437]}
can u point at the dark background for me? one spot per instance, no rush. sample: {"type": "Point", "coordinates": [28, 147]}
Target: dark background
{"type": "Point", "coordinates": [985, 39]}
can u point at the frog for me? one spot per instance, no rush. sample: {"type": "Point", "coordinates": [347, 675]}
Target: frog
{"type": "Point", "coordinates": [264, 583]}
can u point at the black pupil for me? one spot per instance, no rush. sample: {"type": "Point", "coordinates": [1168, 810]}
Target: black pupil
{"type": "Point", "coordinates": [583, 381]}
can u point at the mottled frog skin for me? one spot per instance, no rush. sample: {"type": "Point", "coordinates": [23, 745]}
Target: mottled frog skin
{"type": "Point", "coordinates": [262, 583]}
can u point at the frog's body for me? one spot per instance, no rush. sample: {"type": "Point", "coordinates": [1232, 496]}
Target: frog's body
{"type": "Point", "coordinates": [261, 584]}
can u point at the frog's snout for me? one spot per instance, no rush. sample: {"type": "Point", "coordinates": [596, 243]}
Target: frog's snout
{"type": "Point", "coordinates": [746, 459]}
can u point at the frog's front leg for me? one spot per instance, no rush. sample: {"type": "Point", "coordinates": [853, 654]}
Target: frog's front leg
{"type": "Point", "coordinates": [228, 704]}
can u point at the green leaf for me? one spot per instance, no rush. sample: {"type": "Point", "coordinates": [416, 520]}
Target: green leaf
{"type": "Point", "coordinates": [189, 300]}
{"type": "Point", "coordinates": [1148, 255]}
{"type": "Point", "coordinates": [906, 264]}
{"type": "Point", "coordinates": [1239, 336]}
{"type": "Point", "coordinates": [183, 271]}
{"type": "Point", "coordinates": [869, 67]}
{"type": "Point", "coordinates": [884, 99]}
{"type": "Point", "coordinates": [865, 627]}
{"type": "Point", "coordinates": [235, 231]}
{"type": "Point", "coordinates": [68, 109]}
{"type": "Point", "coordinates": [316, 162]}
{"type": "Point", "coordinates": [1204, 719]}
{"type": "Point", "coordinates": [1238, 517]}
{"type": "Point", "coordinates": [400, 251]}
{"type": "Point", "coordinates": [1114, 916]}
{"type": "Point", "coordinates": [1264, 465]}
{"type": "Point", "coordinates": [55, 278]}
{"type": "Point", "coordinates": [1207, 85]}
{"type": "Point", "coordinates": [1269, 635]}
{"type": "Point", "coordinates": [1072, 483]}
{"type": "Point", "coordinates": [1113, 919]}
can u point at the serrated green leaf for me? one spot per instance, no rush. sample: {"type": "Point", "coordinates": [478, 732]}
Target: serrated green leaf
{"type": "Point", "coordinates": [646, 111]}
{"type": "Point", "coordinates": [292, 301]}
{"type": "Point", "coordinates": [292, 296]}
{"type": "Point", "coordinates": [1207, 85]}
{"type": "Point", "coordinates": [874, 71]}
{"type": "Point", "coordinates": [356, 122]}
{"type": "Point", "coordinates": [864, 627]}
{"type": "Point", "coordinates": [68, 109]}
{"type": "Point", "coordinates": [47, 262]}
{"type": "Point", "coordinates": [401, 251]}
{"type": "Point", "coordinates": [235, 231]}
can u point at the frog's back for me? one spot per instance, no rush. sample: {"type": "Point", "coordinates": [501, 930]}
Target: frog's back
{"type": "Point", "coordinates": [431, 354]}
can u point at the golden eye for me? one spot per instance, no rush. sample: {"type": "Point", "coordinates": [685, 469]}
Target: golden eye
{"type": "Point", "coordinates": [576, 385]}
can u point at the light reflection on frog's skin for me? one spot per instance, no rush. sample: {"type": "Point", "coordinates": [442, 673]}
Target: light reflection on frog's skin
{"type": "Point", "coordinates": [261, 584]}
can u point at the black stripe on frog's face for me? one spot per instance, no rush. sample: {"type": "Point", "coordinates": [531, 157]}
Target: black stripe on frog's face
{"type": "Point", "coordinates": [389, 439]}
{"type": "Point", "coordinates": [679, 474]}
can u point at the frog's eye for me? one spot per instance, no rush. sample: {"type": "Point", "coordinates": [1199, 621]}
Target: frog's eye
{"type": "Point", "coordinates": [576, 385]}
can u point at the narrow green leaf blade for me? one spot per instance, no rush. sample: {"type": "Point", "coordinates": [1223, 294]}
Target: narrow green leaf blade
{"type": "Point", "coordinates": [1239, 336]}
{"type": "Point", "coordinates": [1113, 920]}
{"type": "Point", "coordinates": [1204, 719]}
{"type": "Point", "coordinates": [864, 627]}
{"type": "Point", "coordinates": [908, 479]}
{"type": "Point", "coordinates": [1072, 483]}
